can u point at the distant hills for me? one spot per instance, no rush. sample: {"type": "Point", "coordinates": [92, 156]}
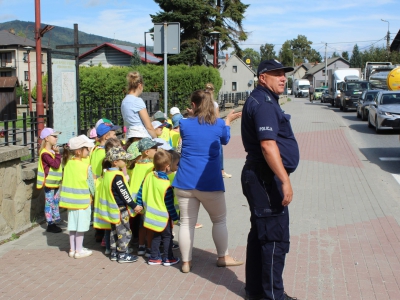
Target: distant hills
{"type": "Point", "coordinates": [60, 35]}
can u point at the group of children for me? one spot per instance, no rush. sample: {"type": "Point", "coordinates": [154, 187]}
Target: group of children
{"type": "Point", "coordinates": [120, 186]}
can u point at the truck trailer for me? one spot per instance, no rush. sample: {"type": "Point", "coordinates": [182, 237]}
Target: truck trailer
{"type": "Point", "coordinates": [301, 88]}
{"type": "Point", "coordinates": [335, 77]}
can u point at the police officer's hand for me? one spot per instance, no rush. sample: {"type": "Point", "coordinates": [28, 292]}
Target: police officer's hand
{"type": "Point", "coordinates": [287, 193]}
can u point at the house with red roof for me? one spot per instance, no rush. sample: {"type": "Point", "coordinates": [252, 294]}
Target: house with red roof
{"type": "Point", "coordinates": [109, 55]}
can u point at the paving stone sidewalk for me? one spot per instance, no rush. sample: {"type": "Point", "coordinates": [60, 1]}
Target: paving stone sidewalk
{"type": "Point", "coordinates": [345, 234]}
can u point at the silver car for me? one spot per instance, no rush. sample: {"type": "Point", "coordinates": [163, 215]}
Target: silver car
{"type": "Point", "coordinates": [384, 113]}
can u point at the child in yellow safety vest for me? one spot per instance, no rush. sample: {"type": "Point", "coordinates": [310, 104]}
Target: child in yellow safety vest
{"type": "Point", "coordinates": [160, 117]}
{"type": "Point", "coordinates": [156, 195]}
{"type": "Point", "coordinates": [116, 204]}
{"type": "Point", "coordinates": [143, 166]}
{"type": "Point", "coordinates": [76, 191]}
{"type": "Point", "coordinates": [175, 132]}
{"type": "Point", "coordinates": [49, 176]}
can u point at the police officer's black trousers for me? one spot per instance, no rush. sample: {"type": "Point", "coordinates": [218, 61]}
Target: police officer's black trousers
{"type": "Point", "coordinates": [268, 240]}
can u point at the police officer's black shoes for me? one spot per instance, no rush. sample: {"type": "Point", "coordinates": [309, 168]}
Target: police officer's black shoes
{"type": "Point", "coordinates": [287, 297]}
{"type": "Point", "coordinates": [257, 297]}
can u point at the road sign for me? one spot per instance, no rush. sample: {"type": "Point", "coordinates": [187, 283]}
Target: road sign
{"type": "Point", "coordinates": [173, 38]}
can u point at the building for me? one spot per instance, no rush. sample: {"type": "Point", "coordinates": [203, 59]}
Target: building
{"type": "Point", "coordinates": [236, 75]}
{"type": "Point", "coordinates": [109, 55]}
{"type": "Point", "coordinates": [316, 75]}
{"type": "Point", "coordinates": [299, 71]}
{"type": "Point", "coordinates": [14, 52]}
{"type": "Point", "coordinates": [8, 103]}
{"type": "Point", "coordinates": [395, 46]}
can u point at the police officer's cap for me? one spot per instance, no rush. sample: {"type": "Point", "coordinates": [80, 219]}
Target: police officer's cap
{"type": "Point", "coordinates": [271, 65]}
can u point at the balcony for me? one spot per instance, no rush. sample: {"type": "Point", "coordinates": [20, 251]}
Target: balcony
{"type": "Point", "coordinates": [8, 64]}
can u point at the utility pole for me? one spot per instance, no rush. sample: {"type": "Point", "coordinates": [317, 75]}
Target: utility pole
{"type": "Point", "coordinates": [326, 64]}
{"type": "Point", "coordinates": [387, 39]}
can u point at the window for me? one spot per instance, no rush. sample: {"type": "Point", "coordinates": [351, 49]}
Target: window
{"type": "Point", "coordinates": [26, 75]}
{"type": "Point", "coordinates": [5, 74]}
{"type": "Point", "coordinates": [234, 86]}
{"type": "Point", "coordinates": [42, 58]}
{"type": "Point", "coordinates": [25, 57]}
{"type": "Point", "coordinates": [234, 69]}
{"type": "Point", "coordinates": [5, 57]}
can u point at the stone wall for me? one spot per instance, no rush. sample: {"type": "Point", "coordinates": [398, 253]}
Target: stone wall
{"type": "Point", "coordinates": [21, 204]}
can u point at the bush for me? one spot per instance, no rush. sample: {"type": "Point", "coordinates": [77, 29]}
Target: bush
{"type": "Point", "coordinates": [104, 84]}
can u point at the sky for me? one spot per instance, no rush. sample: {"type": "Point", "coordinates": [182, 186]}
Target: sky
{"type": "Point", "coordinates": [339, 23]}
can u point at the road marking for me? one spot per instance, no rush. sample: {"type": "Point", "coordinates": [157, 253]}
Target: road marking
{"type": "Point", "coordinates": [397, 177]}
{"type": "Point", "coordinates": [389, 158]}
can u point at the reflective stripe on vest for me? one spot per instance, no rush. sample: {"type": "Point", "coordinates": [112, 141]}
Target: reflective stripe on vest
{"type": "Point", "coordinates": [96, 160]}
{"type": "Point", "coordinates": [105, 207]}
{"type": "Point", "coordinates": [156, 215]}
{"type": "Point", "coordinates": [75, 192]}
{"type": "Point", "coordinates": [53, 179]}
{"type": "Point", "coordinates": [139, 173]}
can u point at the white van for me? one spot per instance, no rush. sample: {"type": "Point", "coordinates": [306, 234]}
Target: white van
{"type": "Point", "coordinates": [301, 88]}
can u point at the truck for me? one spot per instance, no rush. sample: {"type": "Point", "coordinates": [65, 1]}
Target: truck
{"type": "Point", "coordinates": [335, 77]}
{"type": "Point", "coordinates": [350, 91]}
{"type": "Point", "coordinates": [301, 88]}
{"type": "Point", "coordinates": [376, 73]}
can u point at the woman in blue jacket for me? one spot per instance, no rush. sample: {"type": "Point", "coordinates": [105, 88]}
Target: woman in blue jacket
{"type": "Point", "coordinates": [199, 179]}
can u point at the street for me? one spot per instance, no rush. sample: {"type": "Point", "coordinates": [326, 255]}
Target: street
{"type": "Point", "coordinates": [345, 233]}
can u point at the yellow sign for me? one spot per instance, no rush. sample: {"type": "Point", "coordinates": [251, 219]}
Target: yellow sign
{"type": "Point", "coordinates": [393, 80]}
{"type": "Point", "coordinates": [248, 61]}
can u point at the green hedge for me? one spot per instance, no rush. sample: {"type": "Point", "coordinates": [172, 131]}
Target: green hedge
{"type": "Point", "coordinates": [101, 83]}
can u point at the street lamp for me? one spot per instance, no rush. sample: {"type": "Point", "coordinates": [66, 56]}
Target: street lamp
{"type": "Point", "coordinates": [215, 35]}
{"type": "Point", "coordinates": [28, 50]}
{"type": "Point", "coordinates": [145, 47]}
{"type": "Point", "coordinates": [387, 37]}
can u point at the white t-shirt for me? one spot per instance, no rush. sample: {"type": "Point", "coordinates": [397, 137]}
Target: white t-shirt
{"type": "Point", "coordinates": [130, 107]}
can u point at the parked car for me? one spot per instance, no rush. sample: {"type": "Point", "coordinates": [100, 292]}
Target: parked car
{"type": "Point", "coordinates": [384, 113]}
{"type": "Point", "coordinates": [318, 93]}
{"type": "Point", "coordinates": [367, 97]}
{"type": "Point", "coordinates": [325, 98]}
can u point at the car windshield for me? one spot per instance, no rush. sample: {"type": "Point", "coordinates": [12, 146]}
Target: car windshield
{"type": "Point", "coordinates": [356, 86]}
{"type": "Point", "coordinates": [319, 90]}
{"type": "Point", "coordinates": [390, 99]}
{"type": "Point", "coordinates": [304, 87]}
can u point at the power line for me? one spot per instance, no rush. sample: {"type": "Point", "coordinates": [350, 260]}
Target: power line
{"type": "Point", "coordinates": [315, 43]}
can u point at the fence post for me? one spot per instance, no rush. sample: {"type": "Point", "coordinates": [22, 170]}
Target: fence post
{"type": "Point", "coordinates": [25, 139]}
{"type": "Point", "coordinates": [6, 129]}
{"type": "Point", "coordinates": [32, 143]}
{"type": "Point", "coordinates": [14, 129]}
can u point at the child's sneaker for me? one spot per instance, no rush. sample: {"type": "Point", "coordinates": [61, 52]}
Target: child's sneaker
{"type": "Point", "coordinates": [171, 261]}
{"type": "Point", "coordinates": [113, 256]}
{"type": "Point", "coordinates": [84, 253]}
{"type": "Point", "coordinates": [154, 261]}
{"type": "Point", "coordinates": [127, 258]}
{"type": "Point", "coordinates": [129, 250]}
{"type": "Point", "coordinates": [148, 252]}
{"type": "Point", "coordinates": [141, 250]}
{"type": "Point", "coordinates": [71, 254]}
{"type": "Point", "coordinates": [107, 252]}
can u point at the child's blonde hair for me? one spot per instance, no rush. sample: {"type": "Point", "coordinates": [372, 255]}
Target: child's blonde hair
{"type": "Point", "coordinates": [161, 159]}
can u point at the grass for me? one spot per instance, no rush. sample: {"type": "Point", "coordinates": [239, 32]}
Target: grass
{"type": "Point", "coordinates": [18, 124]}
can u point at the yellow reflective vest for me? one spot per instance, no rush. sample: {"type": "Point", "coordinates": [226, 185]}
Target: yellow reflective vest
{"type": "Point", "coordinates": [175, 136]}
{"type": "Point", "coordinates": [156, 214]}
{"type": "Point", "coordinates": [138, 174]}
{"type": "Point", "coordinates": [53, 179]}
{"type": "Point", "coordinates": [96, 160]}
{"type": "Point", "coordinates": [75, 193]}
{"type": "Point", "coordinates": [98, 222]}
{"type": "Point", "coordinates": [106, 208]}
{"type": "Point", "coordinates": [165, 135]}
{"type": "Point", "coordinates": [171, 177]}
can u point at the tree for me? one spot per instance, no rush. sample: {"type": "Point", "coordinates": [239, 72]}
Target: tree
{"type": "Point", "coordinates": [345, 55]}
{"type": "Point", "coordinates": [355, 60]}
{"type": "Point", "coordinates": [136, 60]}
{"type": "Point", "coordinates": [334, 54]}
{"type": "Point", "coordinates": [314, 56]}
{"type": "Point", "coordinates": [301, 47]}
{"type": "Point", "coordinates": [267, 52]}
{"type": "Point", "coordinates": [197, 19]}
{"type": "Point", "coordinates": [286, 54]}
{"type": "Point", "coordinates": [254, 57]}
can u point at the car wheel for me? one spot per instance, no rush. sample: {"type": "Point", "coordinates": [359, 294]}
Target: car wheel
{"type": "Point", "coordinates": [341, 107]}
{"type": "Point", "coordinates": [369, 122]}
{"type": "Point", "coordinates": [363, 115]}
{"type": "Point", "coordinates": [345, 108]}
{"type": "Point", "coordinates": [358, 114]}
{"type": "Point", "coordinates": [376, 126]}
{"type": "Point", "coordinates": [332, 103]}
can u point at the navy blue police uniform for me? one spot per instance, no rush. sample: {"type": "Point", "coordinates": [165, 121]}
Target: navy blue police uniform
{"type": "Point", "coordinates": [268, 239]}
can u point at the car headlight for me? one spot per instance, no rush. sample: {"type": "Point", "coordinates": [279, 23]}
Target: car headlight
{"type": "Point", "coordinates": [385, 113]}
{"type": "Point", "coordinates": [346, 98]}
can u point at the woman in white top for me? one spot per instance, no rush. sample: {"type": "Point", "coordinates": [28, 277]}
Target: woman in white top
{"type": "Point", "coordinates": [133, 108]}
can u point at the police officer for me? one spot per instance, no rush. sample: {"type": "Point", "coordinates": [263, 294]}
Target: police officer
{"type": "Point", "coordinates": [272, 154]}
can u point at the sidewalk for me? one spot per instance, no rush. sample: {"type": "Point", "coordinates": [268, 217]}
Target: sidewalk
{"type": "Point", "coordinates": [345, 234]}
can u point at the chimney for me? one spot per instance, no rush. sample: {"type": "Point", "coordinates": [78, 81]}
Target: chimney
{"type": "Point", "coordinates": [12, 31]}
{"type": "Point", "coordinates": [226, 56]}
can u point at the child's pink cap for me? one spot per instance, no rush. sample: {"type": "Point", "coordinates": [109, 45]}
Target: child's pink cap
{"type": "Point", "coordinates": [93, 133]}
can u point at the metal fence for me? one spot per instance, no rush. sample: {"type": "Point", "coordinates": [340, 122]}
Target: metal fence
{"type": "Point", "coordinates": [231, 100]}
{"type": "Point", "coordinates": [21, 131]}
